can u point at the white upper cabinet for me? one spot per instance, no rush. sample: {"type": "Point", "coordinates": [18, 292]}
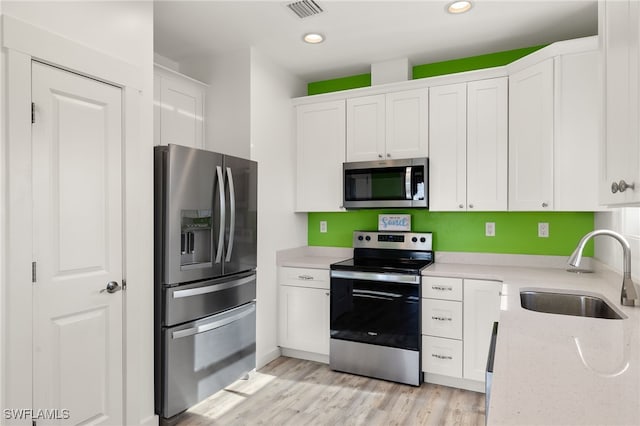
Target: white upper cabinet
{"type": "Point", "coordinates": [468, 146]}
{"type": "Point", "coordinates": [388, 126]}
{"type": "Point", "coordinates": [578, 133]}
{"type": "Point", "coordinates": [448, 147]}
{"type": "Point", "coordinates": [179, 109]}
{"type": "Point", "coordinates": [619, 23]}
{"type": "Point", "coordinates": [320, 141]}
{"type": "Point", "coordinates": [366, 128]}
{"type": "Point", "coordinates": [407, 124]}
{"type": "Point", "coordinates": [531, 138]}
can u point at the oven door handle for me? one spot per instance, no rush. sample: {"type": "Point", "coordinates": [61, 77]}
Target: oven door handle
{"type": "Point", "coordinates": [377, 276]}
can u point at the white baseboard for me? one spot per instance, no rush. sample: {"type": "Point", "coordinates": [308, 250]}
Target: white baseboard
{"type": "Point", "coordinates": [267, 358]}
{"type": "Point", "coordinates": [455, 382]}
{"type": "Point", "coordinates": [150, 421]}
{"type": "Point", "coordinates": [309, 356]}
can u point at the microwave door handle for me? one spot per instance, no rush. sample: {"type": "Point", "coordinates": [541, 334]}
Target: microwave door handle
{"type": "Point", "coordinates": [232, 211]}
{"type": "Point", "coordinates": [407, 184]}
{"type": "Point", "coordinates": [222, 214]}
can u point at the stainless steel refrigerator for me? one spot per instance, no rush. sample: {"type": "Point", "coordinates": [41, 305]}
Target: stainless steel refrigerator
{"type": "Point", "coordinates": [205, 279]}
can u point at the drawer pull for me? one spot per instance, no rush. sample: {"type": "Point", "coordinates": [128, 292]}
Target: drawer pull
{"type": "Point", "coordinates": [441, 288]}
{"type": "Point", "coordinates": [441, 356]}
{"type": "Point", "coordinates": [305, 277]}
{"type": "Point", "coordinates": [442, 318]}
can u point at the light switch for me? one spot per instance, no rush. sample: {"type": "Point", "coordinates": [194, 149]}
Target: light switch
{"type": "Point", "coordinates": [323, 226]}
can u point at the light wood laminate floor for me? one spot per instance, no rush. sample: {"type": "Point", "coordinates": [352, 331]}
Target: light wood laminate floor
{"type": "Point", "coordinates": [290, 391]}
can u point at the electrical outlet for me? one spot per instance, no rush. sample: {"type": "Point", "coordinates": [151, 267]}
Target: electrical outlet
{"type": "Point", "coordinates": [543, 229]}
{"type": "Point", "coordinates": [490, 229]}
{"type": "Point", "coordinates": [323, 226]}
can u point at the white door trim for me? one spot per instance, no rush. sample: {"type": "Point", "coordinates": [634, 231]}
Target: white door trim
{"type": "Point", "coordinates": [22, 43]}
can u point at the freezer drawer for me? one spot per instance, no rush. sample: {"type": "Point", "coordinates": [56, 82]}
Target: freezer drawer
{"type": "Point", "coordinates": [204, 356]}
{"type": "Point", "coordinates": [189, 302]}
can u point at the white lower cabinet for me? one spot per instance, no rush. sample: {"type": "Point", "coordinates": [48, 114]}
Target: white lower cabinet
{"type": "Point", "coordinates": [481, 310]}
{"type": "Point", "coordinates": [304, 310]}
{"type": "Point", "coordinates": [442, 356]}
{"type": "Point", "coordinates": [457, 319]}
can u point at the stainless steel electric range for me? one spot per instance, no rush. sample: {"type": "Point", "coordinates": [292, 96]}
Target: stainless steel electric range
{"type": "Point", "coordinates": [375, 306]}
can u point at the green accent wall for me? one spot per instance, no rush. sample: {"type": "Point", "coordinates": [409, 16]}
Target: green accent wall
{"type": "Point", "coordinates": [338, 84]}
{"type": "Point", "coordinates": [516, 232]}
{"type": "Point", "coordinates": [489, 60]}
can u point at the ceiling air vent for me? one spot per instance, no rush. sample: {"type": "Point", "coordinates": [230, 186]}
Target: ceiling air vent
{"type": "Point", "coordinates": [305, 8]}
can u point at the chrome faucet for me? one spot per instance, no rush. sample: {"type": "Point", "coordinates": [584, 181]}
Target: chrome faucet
{"type": "Point", "coordinates": [628, 295]}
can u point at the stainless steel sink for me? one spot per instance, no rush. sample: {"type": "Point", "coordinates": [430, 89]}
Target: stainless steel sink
{"type": "Point", "coordinates": [580, 305]}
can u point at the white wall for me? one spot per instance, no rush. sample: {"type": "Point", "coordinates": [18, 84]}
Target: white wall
{"type": "Point", "coordinates": [122, 30]}
{"type": "Point", "coordinates": [227, 107]}
{"type": "Point", "coordinates": [627, 222]}
{"type": "Point", "coordinates": [273, 147]}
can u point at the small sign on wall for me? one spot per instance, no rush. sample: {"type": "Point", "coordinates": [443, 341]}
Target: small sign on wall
{"type": "Point", "coordinates": [394, 222]}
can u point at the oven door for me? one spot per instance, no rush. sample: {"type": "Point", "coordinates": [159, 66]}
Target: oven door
{"type": "Point", "coordinates": [376, 308]}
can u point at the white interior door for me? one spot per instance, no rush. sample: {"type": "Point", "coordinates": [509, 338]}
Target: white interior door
{"type": "Point", "coordinates": [77, 213]}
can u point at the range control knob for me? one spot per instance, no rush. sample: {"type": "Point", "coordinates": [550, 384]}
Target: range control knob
{"type": "Point", "coordinates": [423, 239]}
{"type": "Point", "coordinates": [368, 238]}
{"type": "Point", "coordinates": [360, 238]}
{"type": "Point", "coordinates": [414, 239]}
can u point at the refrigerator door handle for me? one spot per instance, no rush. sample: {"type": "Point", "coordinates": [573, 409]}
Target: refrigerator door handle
{"type": "Point", "coordinates": [222, 214]}
{"type": "Point", "coordinates": [232, 211]}
{"type": "Point", "coordinates": [215, 324]}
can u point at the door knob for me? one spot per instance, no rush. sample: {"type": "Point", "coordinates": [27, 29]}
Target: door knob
{"type": "Point", "coordinates": [112, 287]}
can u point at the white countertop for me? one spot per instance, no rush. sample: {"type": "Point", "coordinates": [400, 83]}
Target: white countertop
{"type": "Point", "coordinates": [559, 369]}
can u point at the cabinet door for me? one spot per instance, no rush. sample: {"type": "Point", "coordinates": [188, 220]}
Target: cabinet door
{"type": "Point", "coordinates": [577, 131]}
{"type": "Point", "coordinates": [531, 138]}
{"type": "Point", "coordinates": [407, 124]}
{"type": "Point", "coordinates": [181, 111]}
{"type": "Point", "coordinates": [365, 128]}
{"type": "Point", "coordinates": [481, 310]}
{"type": "Point", "coordinates": [620, 153]}
{"type": "Point", "coordinates": [321, 152]}
{"type": "Point", "coordinates": [304, 319]}
{"type": "Point", "coordinates": [448, 148]}
{"type": "Point", "coordinates": [487, 145]}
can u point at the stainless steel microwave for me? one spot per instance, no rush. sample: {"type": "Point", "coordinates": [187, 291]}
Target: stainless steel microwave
{"type": "Point", "coordinates": [386, 183]}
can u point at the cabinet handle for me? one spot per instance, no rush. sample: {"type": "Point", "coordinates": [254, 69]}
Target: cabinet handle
{"type": "Point", "coordinates": [470, 206]}
{"type": "Point", "coordinates": [441, 318]}
{"type": "Point", "coordinates": [388, 155]}
{"type": "Point", "coordinates": [379, 155]}
{"type": "Point", "coordinates": [327, 294]}
{"type": "Point", "coordinates": [441, 288]}
{"type": "Point", "coordinates": [441, 356]}
{"type": "Point", "coordinates": [461, 206]}
{"type": "Point", "coordinates": [305, 277]}
{"type": "Point", "coordinates": [623, 186]}
{"type": "Point", "coordinates": [545, 204]}
{"type": "Point", "coordinates": [614, 187]}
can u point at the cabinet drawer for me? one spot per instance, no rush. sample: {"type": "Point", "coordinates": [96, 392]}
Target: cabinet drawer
{"type": "Point", "coordinates": [304, 277]}
{"type": "Point", "coordinates": [442, 288]}
{"type": "Point", "coordinates": [442, 356]}
{"type": "Point", "coordinates": [442, 318]}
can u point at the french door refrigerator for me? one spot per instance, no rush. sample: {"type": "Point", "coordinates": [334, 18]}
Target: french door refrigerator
{"type": "Point", "coordinates": [205, 277]}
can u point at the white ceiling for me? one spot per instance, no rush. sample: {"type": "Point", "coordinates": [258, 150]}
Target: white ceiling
{"type": "Point", "coordinates": [359, 33]}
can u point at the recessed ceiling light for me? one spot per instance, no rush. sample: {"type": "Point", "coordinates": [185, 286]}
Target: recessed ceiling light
{"type": "Point", "coordinates": [459, 7]}
{"type": "Point", "coordinates": [313, 38]}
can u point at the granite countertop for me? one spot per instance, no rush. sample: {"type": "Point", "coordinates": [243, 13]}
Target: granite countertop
{"type": "Point", "coordinates": [559, 369]}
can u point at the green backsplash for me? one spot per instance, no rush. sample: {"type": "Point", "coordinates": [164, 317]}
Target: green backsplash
{"type": "Point", "coordinates": [516, 232]}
